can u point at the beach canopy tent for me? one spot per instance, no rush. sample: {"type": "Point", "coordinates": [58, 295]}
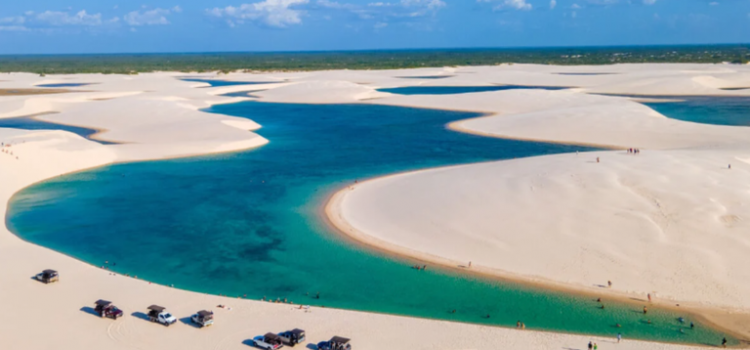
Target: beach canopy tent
{"type": "Point", "coordinates": [103, 303]}
{"type": "Point", "coordinates": [339, 340]}
{"type": "Point", "coordinates": [156, 308]}
{"type": "Point", "coordinates": [272, 338]}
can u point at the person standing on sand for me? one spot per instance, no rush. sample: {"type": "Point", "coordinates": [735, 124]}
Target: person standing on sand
{"type": "Point", "coordinates": [609, 283]}
{"type": "Point", "coordinates": [596, 347]}
{"type": "Point", "coordinates": [591, 346]}
{"type": "Point", "coordinates": [469, 263]}
{"type": "Point", "coordinates": [649, 297]}
{"type": "Point", "coordinates": [619, 337]}
{"type": "Point", "coordinates": [597, 159]}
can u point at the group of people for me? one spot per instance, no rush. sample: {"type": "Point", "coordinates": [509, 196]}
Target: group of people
{"type": "Point", "coordinates": [634, 150]}
{"type": "Point", "coordinates": [417, 267]}
{"type": "Point", "coordinates": [6, 149]}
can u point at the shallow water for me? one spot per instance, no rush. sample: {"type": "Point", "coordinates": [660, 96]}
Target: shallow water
{"type": "Point", "coordinates": [215, 82]}
{"type": "Point", "coordinates": [28, 123]}
{"type": "Point", "coordinates": [247, 93]}
{"type": "Point", "coordinates": [733, 111]}
{"type": "Point", "coordinates": [249, 223]}
{"type": "Point", "coordinates": [449, 90]}
{"type": "Point", "coordinates": [427, 77]}
{"type": "Point", "coordinates": [63, 85]}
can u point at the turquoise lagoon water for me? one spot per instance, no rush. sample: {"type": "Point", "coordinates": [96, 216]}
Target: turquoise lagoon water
{"type": "Point", "coordinates": [63, 85]}
{"type": "Point", "coordinates": [215, 82]}
{"type": "Point", "coordinates": [28, 123]}
{"type": "Point", "coordinates": [450, 90]}
{"type": "Point", "coordinates": [733, 111]}
{"type": "Point", "coordinates": [250, 223]}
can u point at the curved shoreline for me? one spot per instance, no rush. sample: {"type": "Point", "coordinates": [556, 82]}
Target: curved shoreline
{"type": "Point", "coordinates": [510, 277]}
{"type": "Point", "coordinates": [719, 318]}
{"type": "Point", "coordinates": [458, 127]}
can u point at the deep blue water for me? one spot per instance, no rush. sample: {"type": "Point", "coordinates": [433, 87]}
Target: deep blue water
{"type": "Point", "coordinates": [584, 74]}
{"type": "Point", "coordinates": [29, 123]}
{"type": "Point", "coordinates": [249, 223]}
{"type": "Point", "coordinates": [707, 110]}
{"type": "Point", "coordinates": [240, 93]}
{"type": "Point", "coordinates": [215, 82]}
{"type": "Point", "coordinates": [448, 90]}
{"type": "Point", "coordinates": [427, 77]}
{"type": "Point", "coordinates": [63, 85]}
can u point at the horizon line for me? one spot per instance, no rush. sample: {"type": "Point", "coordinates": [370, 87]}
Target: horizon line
{"type": "Point", "coordinates": [497, 48]}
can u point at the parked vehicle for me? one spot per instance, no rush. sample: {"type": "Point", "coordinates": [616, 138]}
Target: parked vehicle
{"type": "Point", "coordinates": [107, 309]}
{"type": "Point", "coordinates": [203, 318]}
{"type": "Point", "coordinates": [336, 343]}
{"type": "Point", "coordinates": [293, 337]}
{"type": "Point", "coordinates": [269, 341]}
{"type": "Point", "coordinates": [48, 276]}
{"type": "Point", "coordinates": [161, 315]}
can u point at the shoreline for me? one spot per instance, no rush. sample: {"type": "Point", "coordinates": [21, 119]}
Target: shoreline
{"type": "Point", "coordinates": [406, 254]}
{"type": "Point", "coordinates": [361, 321]}
{"type": "Point", "coordinates": [458, 127]}
{"type": "Point", "coordinates": [719, 318]}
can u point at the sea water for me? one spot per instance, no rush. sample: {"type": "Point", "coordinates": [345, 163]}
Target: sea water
{"type": "Point", "coordinates": [250, 223]}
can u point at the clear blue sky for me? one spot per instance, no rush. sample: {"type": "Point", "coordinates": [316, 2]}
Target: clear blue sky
{"type": "Point", "coordinates": [111, 26]}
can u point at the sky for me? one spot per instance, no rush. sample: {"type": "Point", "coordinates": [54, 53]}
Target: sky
{"type": "Point", "coordinates": [117, 26]}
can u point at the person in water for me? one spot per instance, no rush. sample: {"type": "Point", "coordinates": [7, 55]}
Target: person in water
{"type": "Point", "coordinates": [645, 310]}
{"type": "Point", "coordinates": [724, 343]}
{"type": "Point", "coordinates": [692, 325]}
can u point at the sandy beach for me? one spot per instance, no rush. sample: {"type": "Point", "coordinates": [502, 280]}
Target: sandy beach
{"type": "Point", "coordinates": [669, 221]}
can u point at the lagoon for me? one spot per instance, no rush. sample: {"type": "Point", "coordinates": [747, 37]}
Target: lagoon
{"type": "Point", "coordinates": [250, 224]}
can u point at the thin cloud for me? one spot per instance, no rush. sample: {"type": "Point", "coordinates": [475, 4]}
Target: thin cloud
{"type": "Point", "coordinates": [153, 17]}
{"type": "Point", "coordinates": [53, 20]}
{"type": "Point", "coordinates": [58, 18]}
{"type": "Point", "coordinates": [274, 13]}
{"type": "Point", "coordinates": [521, 5]}
{"type": "Point", "coordinates": [384, 11]}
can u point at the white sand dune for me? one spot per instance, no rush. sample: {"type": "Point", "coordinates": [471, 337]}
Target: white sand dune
{"type": "Point", "coordinates": [667, 221]}
{"type": "Point", "coordinates": [670, 223]}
